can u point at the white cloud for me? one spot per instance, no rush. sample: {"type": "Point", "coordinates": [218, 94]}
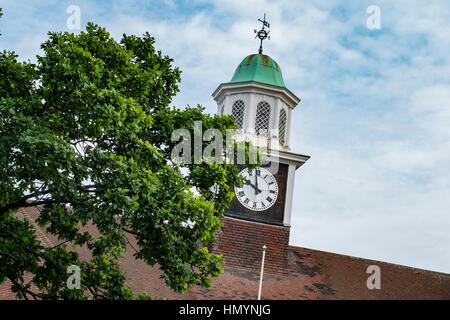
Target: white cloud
{"type": "Point", "coordinates": [170, 3]}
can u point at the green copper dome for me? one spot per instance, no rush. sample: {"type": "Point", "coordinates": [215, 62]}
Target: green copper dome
{"type": "Point", "coordinates": [259, 68]}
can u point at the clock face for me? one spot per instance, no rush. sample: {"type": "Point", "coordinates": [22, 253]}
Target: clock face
{"type": "Point", "coordinates": [259, 191]}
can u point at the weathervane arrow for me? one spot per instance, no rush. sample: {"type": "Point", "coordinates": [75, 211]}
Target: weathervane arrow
{"type": "Point", "coordinates": [262, 34]}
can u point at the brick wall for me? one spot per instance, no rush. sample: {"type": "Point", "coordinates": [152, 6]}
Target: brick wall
{"type": "Point", "coordinates": [241, 243]}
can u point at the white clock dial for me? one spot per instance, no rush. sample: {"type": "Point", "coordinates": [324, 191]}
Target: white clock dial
{"type": "Point", "coordinates": [259, 191]}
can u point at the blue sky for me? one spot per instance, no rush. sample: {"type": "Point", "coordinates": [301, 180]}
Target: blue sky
{"type": "Point", "coordinates": [374, 116]}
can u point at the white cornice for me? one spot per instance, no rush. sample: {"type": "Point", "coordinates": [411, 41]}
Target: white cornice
{"type": "Point", "coordinates": [255, 87]}
{"type": "Point", "coordinates": [287, 157]}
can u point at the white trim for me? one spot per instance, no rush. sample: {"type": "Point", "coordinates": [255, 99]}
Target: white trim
{"type": "Point", "coordinates": [226, 109]}
{"type": "Point", "coordinates": [250, 114]}
{"type": "Point", "coordinates": [255, 87]}
{"type": "Point", "coordinates": [289, 195]}
{"type": "Point", "coordinates": [276, 111]}
{"type": "Point", "coordinates": [287, 136]}
{"type": "Point", "coordinates": [287, 157]}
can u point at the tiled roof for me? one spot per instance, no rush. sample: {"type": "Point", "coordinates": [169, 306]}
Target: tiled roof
{"type": "Point", "coordinates": [321, 275]}
{"type": "Point", "coordinates": [311, 274]}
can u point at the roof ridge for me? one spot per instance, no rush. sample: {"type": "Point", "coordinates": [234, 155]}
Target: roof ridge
{"type": "Point", "coordinates": [377, 261]}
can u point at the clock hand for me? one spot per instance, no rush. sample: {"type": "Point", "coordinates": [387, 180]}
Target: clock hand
{"type": "Point", "coordinates": [257, 190]}
{"type": "Point", "coordinates": [248, 182]}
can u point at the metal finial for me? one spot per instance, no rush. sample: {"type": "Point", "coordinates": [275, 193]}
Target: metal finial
{"type": "Point", "coordinates": [263, 34]}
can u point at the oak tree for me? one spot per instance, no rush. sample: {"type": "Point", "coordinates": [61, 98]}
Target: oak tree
{"type": "Point", "coordinates": [85, 137]}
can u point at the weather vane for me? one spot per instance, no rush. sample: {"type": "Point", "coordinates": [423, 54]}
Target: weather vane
{"type": "Point", "coordinates": [263, 34]}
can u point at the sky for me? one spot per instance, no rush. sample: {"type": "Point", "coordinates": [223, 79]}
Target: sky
{"type": "Point", "coordinates": [374, 115]}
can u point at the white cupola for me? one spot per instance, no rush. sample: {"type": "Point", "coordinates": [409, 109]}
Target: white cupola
{"type": "Point", "coordinates": [259, 101]}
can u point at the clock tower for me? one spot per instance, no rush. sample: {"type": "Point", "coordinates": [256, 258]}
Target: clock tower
{"type": "Point", "coordinates": [260, 214]}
